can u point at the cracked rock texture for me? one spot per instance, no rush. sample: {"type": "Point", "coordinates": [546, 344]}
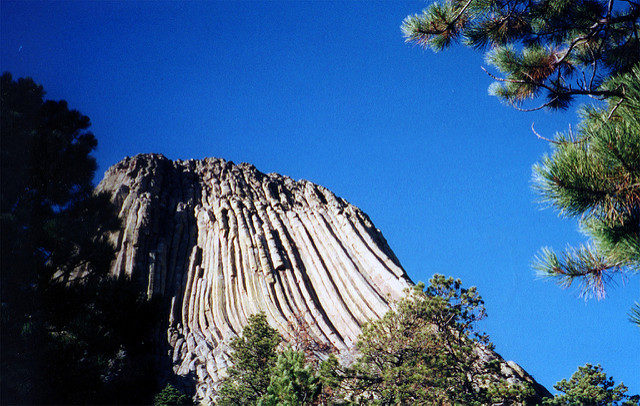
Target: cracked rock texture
{"type": "Point", "coordinates": [220, 242]}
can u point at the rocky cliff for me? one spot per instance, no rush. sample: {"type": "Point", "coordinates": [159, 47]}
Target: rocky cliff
{"type": "Point", "coordinates": [220, 241]}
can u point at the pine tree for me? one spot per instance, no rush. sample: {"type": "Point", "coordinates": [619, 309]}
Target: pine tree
{"type": "Point", "coordinates": [293, 381]}
{"type": "Point", "coordinates": [65, 339]}
{"type": "Point", "coordinates": [560, 48]}
{"type": "Point", "coordinates": [424, 352]}
{"type": "Point", "coordinates": [596, 179]}
{"type": "Point", "coordinates": [590, 386]}
{"type": "Point", "coordinates": [52, 223]}
{"type": "Point", "coordinates": [170, 396]}
{"type": "Point", "coordinates": [253, 357]}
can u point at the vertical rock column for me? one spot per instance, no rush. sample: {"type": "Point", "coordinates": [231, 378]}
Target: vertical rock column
{"type": "Point", "coordinates": [221, 242]}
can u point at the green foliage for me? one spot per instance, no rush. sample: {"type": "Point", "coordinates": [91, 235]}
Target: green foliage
{"type": "Point", "coordinates": [293, 381]}
{"type": "Point", "coordinates": [82, 347]}
{"type": "Point", "coordinates": [561, 49]}
{"type": "Point", "coordinates": [596, 179]}
{"type": "Point", "coordinates": [333, 378]}
{"type": "Point", "coordinates": [589, 386]}
{"type": "Point", "coordinates": [425, 351]}
{"type": "Point", "coordinates": [634, 315]}
{"type": "Point", "coordinates": [253, 358]}
{"type": "Point", "coordinates": [557, 47]}
{"type": "Point", "coordinates": [170, 396]}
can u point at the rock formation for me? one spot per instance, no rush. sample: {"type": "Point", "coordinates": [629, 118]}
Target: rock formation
{"type": "Point", "coordinates": [220, 242]}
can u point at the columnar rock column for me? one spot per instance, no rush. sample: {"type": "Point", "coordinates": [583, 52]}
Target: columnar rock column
{"type": "Point", "coordinates": [222, 241]}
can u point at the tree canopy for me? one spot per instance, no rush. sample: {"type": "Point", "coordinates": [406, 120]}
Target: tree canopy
{"type": "Point", "coordinates": [253, 357]}
{"type": "Point", "coordinates": [590, 386]}
{"type": "Point", "coordinates": [171, 396]}
{"type": "Point", "coordinates": [65, 338]}
{"type": "Point", "coordinates": [595, 177]}
{"type": "Point", "coordinates": [425, 351]}
{"type": "Point", "coordinates": [558, 49]}
{"type": "Point", "coordinates": [52, 223]}
{"type": "Point", "coordinates": [293, 381]}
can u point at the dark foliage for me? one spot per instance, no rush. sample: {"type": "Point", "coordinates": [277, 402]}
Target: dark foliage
{"type": "Point", "coordinates": [70, 334]}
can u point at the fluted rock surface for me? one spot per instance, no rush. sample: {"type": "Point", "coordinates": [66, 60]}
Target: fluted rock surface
{"type": "Point", "coordinates": [221, 242]}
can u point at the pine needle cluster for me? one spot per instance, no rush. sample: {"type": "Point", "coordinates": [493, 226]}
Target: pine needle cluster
{"type": "Point", "coordinates": [595, 177]}
{"type": "Point", "coordinates": [557, 49]}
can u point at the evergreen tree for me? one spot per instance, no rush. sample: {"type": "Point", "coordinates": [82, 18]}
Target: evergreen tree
{"type": "Point", "coordinates": [65, 338]}
{"type": "Point", "coordinates": [52, 223]}
{"type": "Point", "coordinates": [253, 357]}
{"type": "Point", "coordinates": [426, 351]}
{"type": "Point", "coordinates": [589, 386]}
{"type": "Point", "coordinates": [170, 396]}
{"type": "Point", "coordinates": [293, 382]}
{"type": "Point", "coordinates": [562, 49]}
{"type": "Point", "coordinates": [559, 48]}
{"type": "Point", "coordinates": [596, 179]}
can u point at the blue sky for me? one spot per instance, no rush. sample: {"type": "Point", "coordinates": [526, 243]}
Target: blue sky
{"type": "Point", "coordinates": [329, 92]}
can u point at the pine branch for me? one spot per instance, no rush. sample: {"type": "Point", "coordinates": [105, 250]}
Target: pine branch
{"type": "Point", "coordinates": [585, 264]}
{"type": "Point", "coordinates": [586, 34]}
{"type": "Point", "coordinates": [634, 315]}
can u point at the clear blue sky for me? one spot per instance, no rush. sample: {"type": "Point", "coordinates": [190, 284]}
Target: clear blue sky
{"type": "Point", "coordinates": [330, 92]}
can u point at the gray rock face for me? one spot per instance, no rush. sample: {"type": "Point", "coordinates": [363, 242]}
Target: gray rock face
{"type": "Point", "coordinates": [220, 242]}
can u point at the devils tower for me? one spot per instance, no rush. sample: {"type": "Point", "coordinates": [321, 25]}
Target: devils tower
{"type": "Point", "coordinates": [220, 242]}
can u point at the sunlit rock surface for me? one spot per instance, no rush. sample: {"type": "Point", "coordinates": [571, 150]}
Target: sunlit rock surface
{"type": "Point", "coordinates": [220, 242]}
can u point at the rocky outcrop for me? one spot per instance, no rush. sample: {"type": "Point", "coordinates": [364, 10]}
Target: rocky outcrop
{"type": "Point", "coordinates": [220, 242]}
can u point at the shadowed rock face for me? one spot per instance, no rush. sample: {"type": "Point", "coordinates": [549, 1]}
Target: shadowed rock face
{"type": "Point", "coordinates": [221, 242]}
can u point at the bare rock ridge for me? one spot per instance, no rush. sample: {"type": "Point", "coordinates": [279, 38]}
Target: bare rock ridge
{"type": "Point", "coordinates": [220, 241]}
